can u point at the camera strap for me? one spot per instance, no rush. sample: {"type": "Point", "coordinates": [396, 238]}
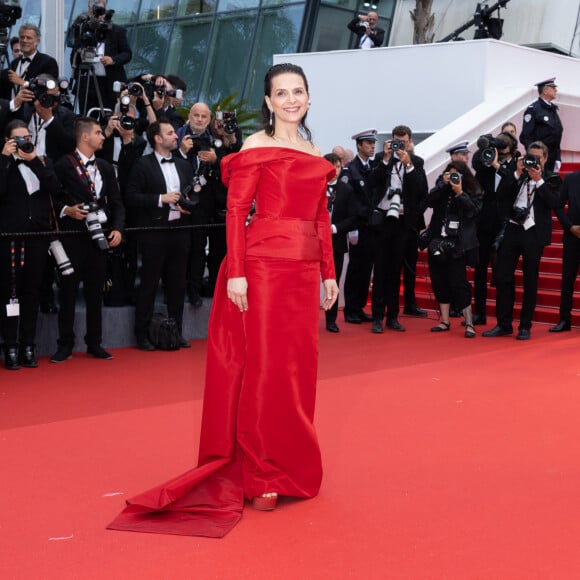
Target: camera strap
{"type": "Point", "coordinates": [83, 174]}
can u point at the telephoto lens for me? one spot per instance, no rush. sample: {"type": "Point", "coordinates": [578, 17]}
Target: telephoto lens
{"type": "Point", "coordinates": [62, 260]}
{"type": "Point", "coordinates": [24, 145]}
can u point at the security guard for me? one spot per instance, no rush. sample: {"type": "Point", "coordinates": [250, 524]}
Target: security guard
{"type": "Point", "coordinates": [542, 123]}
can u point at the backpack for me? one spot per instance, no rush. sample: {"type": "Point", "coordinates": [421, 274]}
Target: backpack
{"type": "Point", "coordinates": [164, 333]}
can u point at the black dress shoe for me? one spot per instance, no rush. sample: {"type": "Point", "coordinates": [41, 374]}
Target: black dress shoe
{"type": "Point", "coordinates": [144, 344]}
{"type": "Point", "coordinates": [377, 327]}
{"type": "Point", "coordinates": [364, 317]}
{"type": "Point", "coordinates": [11, 358]}
{"type": "Point", "coordinates": [523, 334]}
{"type": "Point", "coordinates": [183, 343]}
{"type": "Point", "coordinates": [332, 327]}
{"type": "Point", "coordinates": [98, 352]}
{"type": "Point", "coordinates": [61, 355]}
{"type": "Point", "coordinates": [394, 324]}
{"type": "Point", "coordinates": [26, 357]}
{"type": "Point", "coordinates": [561, 326]}
{"type": "Point", "coordinates": [414, 311]}
{"type": "Point", "coordinates": [497, 331]}
{"type": "Point", "coordinates": [352, 318]}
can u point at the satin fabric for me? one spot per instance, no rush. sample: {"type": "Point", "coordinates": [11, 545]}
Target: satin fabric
{"type": "Point", "coordinates": [257, 432]}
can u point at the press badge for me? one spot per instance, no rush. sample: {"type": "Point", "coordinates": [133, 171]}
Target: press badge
{"type": "Point", "coordinates": [13, 308]}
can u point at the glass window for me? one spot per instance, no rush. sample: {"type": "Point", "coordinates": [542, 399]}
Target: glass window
{"type": "Point", "coordinates": [228, 55]}
{"type": "Point", "coordinates": [152, 41]}
{"type": "Point", "coordinates": [187, 53]}
{"type": "Point", "coordinates": [231, 5]}
{"type": "Point", "coordinates": [156, 10]}
{"type": "Point", "coordinates": [30, 13]}
{"type": "Point", "coordinates": [331, 32]}
{"type": "Point", "coordinates": [350, 4]}
{"type": "Point", "coordinates": [125, 11]}
{"type": "Point", "coordinates": [193, 7]}
{"type": "Point", "coordinates": [277, 33]}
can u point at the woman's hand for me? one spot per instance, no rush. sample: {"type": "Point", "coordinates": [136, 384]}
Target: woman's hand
{"type": "Point", "coordinates": [330, 293]}
{"type": "Point", "coordinates": [238, 292]}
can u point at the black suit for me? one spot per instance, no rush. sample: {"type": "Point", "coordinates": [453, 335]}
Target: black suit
{"type": "Point", "coordinates": [163, 253]}
{"type": "Point", "coordinates": [361, 255]}
{"type": "Point", "coordinates": [22, 212]}
{"type": "Point", "coordinates": [492, 217]}
{"type": "Point", "coordinates": [88, 260]}
{"type": "Point", "coordinates": [40, 64]}
{"type": "Point", "coordinates": [529, 244]}
{"type": "Point", "coordinates": [570, 194]}
{"type": "Point", "coordinates": [391, 237]}
{"type": "Point", "coordinates": [342, 208]}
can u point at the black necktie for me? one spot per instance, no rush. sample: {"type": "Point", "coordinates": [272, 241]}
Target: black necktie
{"type": "Point", "coordinates": [169, 160]}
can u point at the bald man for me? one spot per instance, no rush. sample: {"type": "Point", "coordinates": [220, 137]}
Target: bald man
{"type": "Point", "coordinates": [369, 35]}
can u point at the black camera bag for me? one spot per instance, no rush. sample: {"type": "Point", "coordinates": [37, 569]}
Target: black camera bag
{"type": "Point", "coordinates": [164, 333]}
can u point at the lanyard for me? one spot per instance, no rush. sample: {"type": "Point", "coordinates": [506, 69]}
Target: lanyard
{"type": "Point", "coordinates": [14, 261]}
{"type": "Point", "coordinates": [37, 127]}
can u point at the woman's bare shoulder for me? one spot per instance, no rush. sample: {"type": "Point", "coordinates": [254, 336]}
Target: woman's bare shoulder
{"type": "Point", "coordinates": [259, 139]}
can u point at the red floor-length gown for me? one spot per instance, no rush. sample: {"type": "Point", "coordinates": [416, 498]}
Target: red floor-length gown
{"type": "Point", "coordinates": [257, 432]}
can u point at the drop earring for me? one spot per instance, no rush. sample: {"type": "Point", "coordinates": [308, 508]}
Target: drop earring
{"type": "Point", "coordinates": [271, 118]}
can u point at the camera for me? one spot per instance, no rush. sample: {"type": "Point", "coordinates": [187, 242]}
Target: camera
{"type": "Point", "coordinates": [442, 247]}
{"type": "Point", "coordinates": [134, 89]}
{"type": "Point", "coordinates": [94, 220]}
{"type": "Point", "coordinates": [488, 146]}
{"type": "Point", "coordinates": [394, 195]}
{"type": "Point", "coordinates": [397, 145]}
{"type": "Point", "coordinates": [23, 144]}
{"type": "Point", "coordinates": [63, 263]}
{"type": "Point", "coordinates": [88, 31]}
{"type": "Point", "coordinates": [9, 14]}
{"type": "Point", "coordinates": [363, 23]}
{"type": "Point", "coordinates": [200, 143]}
{"type": "Point", "coordinates": [189, 197]}
{"type": "Point", "coordinates": [126, 121]}
{"type": "Point", "coordinates": [227, 121]}
{"type": "Point", "coordinates": [455, 178]}
{"type": "Point", "coordinates": [520, 214]}
{"type": "Point", "coordinates": [40, 88]}
{"type": "Point", "coordinates": [531, 162]}
{"type": "Point", "coordinates": [174, 93]}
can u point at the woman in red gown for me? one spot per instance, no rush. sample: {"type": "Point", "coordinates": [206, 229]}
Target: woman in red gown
{"type": "Point", "coordinates": [257, 435]}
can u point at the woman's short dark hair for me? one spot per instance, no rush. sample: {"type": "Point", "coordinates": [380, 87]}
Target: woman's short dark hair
{"type": "Point", "coordinates": [274, 71]}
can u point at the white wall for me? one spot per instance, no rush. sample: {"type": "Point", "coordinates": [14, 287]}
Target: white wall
{"type": "Point", "coordinates": [458, 90]}
{"type": "Point", "coordinates": [525, 21]}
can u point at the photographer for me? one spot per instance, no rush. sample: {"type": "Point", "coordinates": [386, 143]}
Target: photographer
{"type": "Point", "coordinates": [29, 64]}
{"type": "Point", "coordinates": [26, 185]}
{"type": "Point", "coordinates": [532, 193]}
{"type": "Point", "coordinates": [369, 35]}
{"type": "Point", "coordinates": [197, 146]}
{"type": "Point", "coordinates": [452, 241]}
{"type": "Point", "coordinates": [51, 125]}
{"type": "Point", "coordinates": [494, 163]}
{"type": "Point", "coordinates": [227, 138]}
{"type": "Point", "coordinates": [155, 191]}
{"type": "Point", "coordinates": [89, 202]}
{"type": "Point", "coordinates": [108, 53]}
{"type": "Point", "coordinates": [401, 183]}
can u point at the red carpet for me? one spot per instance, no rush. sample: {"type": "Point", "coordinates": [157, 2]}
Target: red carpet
{"type": "Point", "coordinates": [444, 458]}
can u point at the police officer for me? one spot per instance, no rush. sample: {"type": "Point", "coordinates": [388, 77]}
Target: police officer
{"type": "Point", "coordinates": [542, 123]}
{"type": "Point", "coordinates": [361, 249]}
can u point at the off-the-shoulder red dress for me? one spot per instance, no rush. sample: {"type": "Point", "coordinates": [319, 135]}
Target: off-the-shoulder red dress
{"type": "Point", "coordinates": [257, 432]}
